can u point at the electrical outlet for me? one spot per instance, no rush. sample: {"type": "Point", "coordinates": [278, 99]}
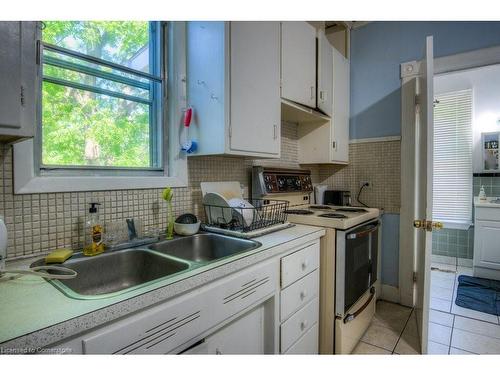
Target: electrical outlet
{"type": "Point", "coordinates": [365, 183]}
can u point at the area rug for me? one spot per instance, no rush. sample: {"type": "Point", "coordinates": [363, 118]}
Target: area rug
{"type": "Point", "coordinates": [478, 294]}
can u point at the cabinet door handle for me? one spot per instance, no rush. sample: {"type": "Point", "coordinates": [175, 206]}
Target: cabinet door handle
{"type": "Point", "coordinates": [303, 325]}
{"type": "Point", "coordinates": [334, 145]}
{"type": "Point", "coordinates": [303, 295]}
{"type": "Point", "coordinates": [322, 95]}
{"type": "Point", "coordinates": [275, 131]}
{"type": "Point", "coordinates": [312, 92]}
{"type": "Point", "coordinates": [304, 264]}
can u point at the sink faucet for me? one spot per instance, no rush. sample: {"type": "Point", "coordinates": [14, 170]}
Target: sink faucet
{"type": "Point", "coordinates": [132, 232]}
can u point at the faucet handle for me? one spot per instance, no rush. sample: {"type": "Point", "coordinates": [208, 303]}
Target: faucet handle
{"type": "Point", "coordinates": [132, 232]}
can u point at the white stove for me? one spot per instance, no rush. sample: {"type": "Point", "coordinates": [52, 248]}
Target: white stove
{"type": "Point", "coordinates": [336, 217]}
{"type": "Point", "coordinates": [349, 254]}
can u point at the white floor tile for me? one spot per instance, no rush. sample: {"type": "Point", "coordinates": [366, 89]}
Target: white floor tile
{"type": "Point", "coordinates": [439, 317]}
{"type": "Point", "coordinates": [446, 281]}
{"type": "Point", "coordinates": [440, 334]}
{"type": "Point", "coordinates": [443, 293]}
{"type": "Point", "coordinates": [469, 313]}
{"type": "Point", "coordinates": [475, 343]}
{"type": "Point", "coordinates": [364, 348]}
{"type": "Point", "coordinates": [436, 348]}
{"type": "Point", "coordinates": [381, 336]}
{"type": "Point", "coordinates": [407, 344]}
{"type": "Point", "coordinates": [440, 304]}
{"type": "Point", "coordinates": [477, 326]}
{"type": "Point", "coordinates": [459, 351]}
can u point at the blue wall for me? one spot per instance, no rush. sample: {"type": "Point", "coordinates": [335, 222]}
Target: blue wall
{"type": "Point", "coordinates": [390, 249]}
{"type": "Point", "coordinates": [377, 50]}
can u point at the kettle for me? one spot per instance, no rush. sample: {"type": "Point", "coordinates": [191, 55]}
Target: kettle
{"type": "Point", "coordinates": [319, 193]}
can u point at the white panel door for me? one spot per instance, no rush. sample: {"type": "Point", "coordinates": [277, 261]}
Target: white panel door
{"type": "Point", "coordinates": [298, 62]}
{"type": "Point", "coordinates": [325, 74]}
{"type": "Point", "coordinates": [340, 100]}
{"type": "Point", "coordinates": [255, 118]}
{"type": "Point", "coordinates": [423, 188]}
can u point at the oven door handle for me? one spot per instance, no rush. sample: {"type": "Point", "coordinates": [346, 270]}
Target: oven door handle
{"type": "Point", "coordinates": [353, 316]}
{"type": "Point", "coordinates": [363, 233]}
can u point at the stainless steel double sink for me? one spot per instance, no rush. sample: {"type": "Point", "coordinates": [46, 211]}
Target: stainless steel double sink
{"type": "Point", "coordinates": [120, 271]}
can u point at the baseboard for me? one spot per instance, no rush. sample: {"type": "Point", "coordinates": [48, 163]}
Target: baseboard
{"type": "Point", "coordinates": [389, 293]}
{"type": "Point", "coordinates": [454, 261]}
{"type": "Point", "coordinates": [463, 262]}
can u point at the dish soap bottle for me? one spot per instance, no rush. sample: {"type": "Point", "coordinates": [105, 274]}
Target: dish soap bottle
{"type": "Point", "coordinates": [93, 233]}
{"type": "Point", "coordinates": [482, 194]}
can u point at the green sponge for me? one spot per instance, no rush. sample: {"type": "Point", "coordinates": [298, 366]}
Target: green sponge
{"type": "Point", "coordinates": [58, 256]}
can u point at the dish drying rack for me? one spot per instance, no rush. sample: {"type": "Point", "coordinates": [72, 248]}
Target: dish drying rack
{"type": "Point", "coordinates": [264, 217]}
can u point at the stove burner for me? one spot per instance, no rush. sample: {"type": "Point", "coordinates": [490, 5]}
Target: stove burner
{"type": "Point", "coordinates": [333, 216]}
{"type": "Point", "coordinates": [351, 209]}
{"type": "Point", "coordinates": [299, 212]}
{"type": "Point", "coordinates": [320, 207]}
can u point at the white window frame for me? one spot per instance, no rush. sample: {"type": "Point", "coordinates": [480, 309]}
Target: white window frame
{"type": "Point", "coordinates": [449, 221]}
{"type": "Point", "coordinates": [27, 176]}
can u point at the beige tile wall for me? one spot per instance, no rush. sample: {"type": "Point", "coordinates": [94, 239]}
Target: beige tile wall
{"type": "Point", "coordinates": [38, 223]}
{"type": "Point", "coordinates": [376, 162]}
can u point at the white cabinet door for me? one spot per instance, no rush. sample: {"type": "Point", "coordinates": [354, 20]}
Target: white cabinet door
{"type": "Point", "coordinates": [18, 70]}
{"type": "Point", "coordinates": [340, 118]}
{"type": "Point", "coordinates": [246, 335]}
{"type": "Point", "coordinates": [486, 250]}
{"type": "Point", "coordinates": [325, 74]}
{"type": "Point", "coordinates": [255, 116]}
{"type": "Point", "coordinates": [298, 62]}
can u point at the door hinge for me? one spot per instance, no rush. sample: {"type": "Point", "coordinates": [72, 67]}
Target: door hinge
{"type": "Point", "coordinates": [22, 95]}
{"type": "Point", "coordinates": [414, 277]}
{"type": "Point", "coordinates": [417, 99]}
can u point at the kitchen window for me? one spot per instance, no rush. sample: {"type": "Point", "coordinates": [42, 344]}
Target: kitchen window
{"type": "Point", "coordinates": [101, 91]}
{"type": "Point", "coordinates": [452, 190]}
{"type": "Point", "coordinates": [102, 111]}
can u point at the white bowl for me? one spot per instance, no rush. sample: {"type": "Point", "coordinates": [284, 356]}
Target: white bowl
{"type": "Point", "coordinates": [187, 229]}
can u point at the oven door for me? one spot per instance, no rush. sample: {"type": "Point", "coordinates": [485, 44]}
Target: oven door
{"type": "Point", "coordinates": [357, 251]}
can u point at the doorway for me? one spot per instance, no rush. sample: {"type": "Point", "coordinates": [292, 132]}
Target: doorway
{"type": "Point", "coordinates": [450, 328]}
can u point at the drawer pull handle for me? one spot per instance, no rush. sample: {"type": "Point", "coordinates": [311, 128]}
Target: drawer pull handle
{"type": "Point", "coordinates": [305, 263]}
{"type": "Point", "coordinates": [303, 295]}
{"type": "Point", "coordinates": [303, 325]}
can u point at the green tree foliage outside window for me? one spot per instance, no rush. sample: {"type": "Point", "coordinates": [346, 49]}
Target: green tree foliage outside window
{"type": "Point", "coordinates": [87, 127]}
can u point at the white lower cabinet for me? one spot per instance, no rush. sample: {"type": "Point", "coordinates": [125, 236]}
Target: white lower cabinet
{"type": "Point", "coordinates": [299, 302]}
{"type": "Point", "coordinates": [237, 314]}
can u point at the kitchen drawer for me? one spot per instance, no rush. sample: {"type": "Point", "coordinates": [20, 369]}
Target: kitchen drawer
{"type": "Point", "coordinates": [298, 324]}
{"type": "Point", "coordinates": [156, 331]}
{"type": "Point", "coordinates": [307, 344]}
{"type": "Point", "coordinates": [299, 264]}
{"type": "Point", "coordinates": [243, 290]}
{"type": "Point", "coordinates": [298, 294]}
{"type": "Point", "coordinates": [487, 213]}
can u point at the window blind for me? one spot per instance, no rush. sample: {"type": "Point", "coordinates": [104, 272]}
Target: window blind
{"type": "Point", "coordinates": [452, 194]}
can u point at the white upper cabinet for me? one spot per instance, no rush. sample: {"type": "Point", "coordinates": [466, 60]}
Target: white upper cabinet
{"type": "Point", "coordinates": [18, 77]}
{"type": "Point", "coordinates": [325, 74]}
{"type": "Point", "coordinates": [255, 87]}
{"type": "Point", "coordinates": [233, 71]}
{"type": "Point", "coordinates": [298, 62]}
{"type": "Point", "coordinates": [340, 117]}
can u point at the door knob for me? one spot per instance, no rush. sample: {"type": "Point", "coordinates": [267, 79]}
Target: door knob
{"type": "Point", "coordinates": [428, 225]}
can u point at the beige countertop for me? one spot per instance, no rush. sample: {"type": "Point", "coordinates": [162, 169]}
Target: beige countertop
{"type": "Point", "coordinates": [33, 313]}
